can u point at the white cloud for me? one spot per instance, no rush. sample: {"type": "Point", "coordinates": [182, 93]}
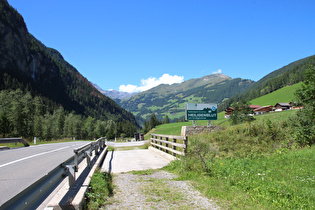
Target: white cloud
{"type": "Point", "coordinates": [219, 71]}
{"type": "Point", "coordinates": [151, 82]}
{"type": "Point", "coordinates": [128, 88]}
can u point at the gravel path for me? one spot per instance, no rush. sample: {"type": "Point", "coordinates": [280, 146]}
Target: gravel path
{"type": "Point", "coordinates": [157, 190]}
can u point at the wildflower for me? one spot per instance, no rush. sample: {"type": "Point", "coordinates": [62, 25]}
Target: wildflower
{"type": "Point", "coordinates": [259, 174]}
{"type": "Point", "coordinates": [221, 164]}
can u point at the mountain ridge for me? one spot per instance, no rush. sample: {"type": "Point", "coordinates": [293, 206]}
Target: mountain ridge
{"type": "Point", "coordinates": [29, 65]}
{"type": "Point", "coordinates": [170, 99]}
{"type": "Point", "coordinates": [114, 94]}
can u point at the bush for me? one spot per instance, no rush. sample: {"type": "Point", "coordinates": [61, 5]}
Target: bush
{"type": "Point", "coordinates": [200, 154]}
{"type": "Point", "coordinates": [304, 122]}
{"type": "Point", "coordinates": [242, 113]}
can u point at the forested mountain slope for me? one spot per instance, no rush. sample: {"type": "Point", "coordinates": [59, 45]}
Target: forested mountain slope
{"type": "Point", "coordinates": [288, 75]}
{"type": "Point", "coordinates": [170, 99]}
{"type": "Point", "coordinates": [27, 64]}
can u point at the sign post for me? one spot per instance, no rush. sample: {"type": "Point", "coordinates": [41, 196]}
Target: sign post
{"type": "Point", "coordinates": [201, 112]}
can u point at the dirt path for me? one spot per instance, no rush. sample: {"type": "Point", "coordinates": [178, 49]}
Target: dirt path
{"type": "Point", "coordinates": [155, 190]}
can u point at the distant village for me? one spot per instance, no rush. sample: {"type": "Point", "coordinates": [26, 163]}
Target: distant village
{"type": "Point", "coordinates": [266, 109]}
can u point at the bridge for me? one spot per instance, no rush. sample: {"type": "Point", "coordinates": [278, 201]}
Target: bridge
{"type": "Point", "coordinates": [23, 168]}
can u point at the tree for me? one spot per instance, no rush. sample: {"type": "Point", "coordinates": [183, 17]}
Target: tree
{"type": "Point", "coordinates": [166, 120]}
{"type": "Point", "coordinates": [5, 124]}
{"type": "Point", "coordinates": [89, 127]}
{"type": "Point", "coordinates": [153, 121]}
{"type": "Point", "coordinates": [111, 132]}
{"type": "Point", "coordinates": [59, 122]}
{"type": "Point", "coordinates": [48, 126]}
{"type": "Point", "coordinates": [100, 128]}
{"type": "Point", "coordinates": [146, 127]}
{"type": "Point", "coordinates": [241, 113]}
{"type": "Point", "coordinates": [17, 117]}
{"type": "Point", "coordinates": [304, 122]}
{"type": "Point", "coordinates": [38, 126]}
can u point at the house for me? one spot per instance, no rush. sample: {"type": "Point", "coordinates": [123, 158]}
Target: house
{"type": "Point", "coordinates": [263, 110]}
{"type": "Point", "coordinates": [254, 106]}
{"type": "Point", "coordinates": [282, 106]}
{"type": "Point", "coordinates": [228, 112]}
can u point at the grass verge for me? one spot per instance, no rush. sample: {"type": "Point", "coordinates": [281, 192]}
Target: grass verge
{"type": "Point", "coordinates": [100, 189]}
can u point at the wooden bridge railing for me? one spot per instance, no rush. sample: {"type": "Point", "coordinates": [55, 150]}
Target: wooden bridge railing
{"type": "Point", "coordinates": [175, 145]}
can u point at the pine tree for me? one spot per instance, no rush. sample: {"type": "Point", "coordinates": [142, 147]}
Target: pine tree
{"type": "Point", "coordinates": [153, 121]}
{"type": "Point", "coordinates": [166, 120]}
{"type": "Point", "coordinates": [5, 124]}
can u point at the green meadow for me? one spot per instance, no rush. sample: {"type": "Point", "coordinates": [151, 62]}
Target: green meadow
{"type": "Point", "coordinates": [283, 95]}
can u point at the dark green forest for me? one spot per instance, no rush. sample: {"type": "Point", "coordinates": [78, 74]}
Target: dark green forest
{"type": "Point", "coordinates": [21, 114]}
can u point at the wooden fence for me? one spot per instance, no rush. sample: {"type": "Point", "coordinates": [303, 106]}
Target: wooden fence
{"type": "Point", "coordinates": [174, 145]}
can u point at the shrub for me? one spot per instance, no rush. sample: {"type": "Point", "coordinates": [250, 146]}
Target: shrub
{"type": "Point", "coordinates": [200, 155]}
{"type": "Point", "coordinates": [304, 122]}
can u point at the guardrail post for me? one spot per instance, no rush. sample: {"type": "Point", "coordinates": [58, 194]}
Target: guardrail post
{"type": "Point", "coordinates": [153, 140]}
{"type": "Point", "coordinates": [88, 158]}
{"type": "Point", "coordinates": [185, 144]}
{"type": "Point", "coordinates": [161, 142]}
{"type": "Point", "coordinates": [166, 144]}
{"type": "Point", "coordinates": [76, 160]}
{"type": "Point", "coordinates": [71, 175]}
{"type": "Point", "coordinates": [174, 147]}
{"type": "Point", "coordinates": [96, 149]}
{"type": "Point", "coordinates": [103, 144]}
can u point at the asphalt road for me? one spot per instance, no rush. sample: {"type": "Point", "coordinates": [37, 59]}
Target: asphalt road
{"type": "Point", "coordinates": [21, 167]}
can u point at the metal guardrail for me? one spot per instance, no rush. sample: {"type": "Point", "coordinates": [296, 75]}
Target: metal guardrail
{"type": "Point", "coordinates": [169, 143]}
{"type": "Point", "coordinates": [82, 153]}
{"type": "Point", "coordinates": [34, 195]}
{"type": "Point", "coordinates": [13, 140]}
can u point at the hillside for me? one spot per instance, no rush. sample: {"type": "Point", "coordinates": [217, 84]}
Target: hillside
{"type": "Point", "coordinates": [29, 65]}
{"type": "Point", "coordinates": [283, 95]}
{"type": "Point", "coordinates": [288, 75]}
{"type": "Point", "coordinates": [170, 99]}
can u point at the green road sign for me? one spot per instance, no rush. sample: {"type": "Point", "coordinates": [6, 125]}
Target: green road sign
{"type": "Point", "coordinates": [201, 111]}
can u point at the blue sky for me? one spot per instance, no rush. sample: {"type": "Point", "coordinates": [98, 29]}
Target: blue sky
{"type": "Point", "coordinates": [132, 44]}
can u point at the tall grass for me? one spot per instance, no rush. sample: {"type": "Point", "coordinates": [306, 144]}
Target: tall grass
{"type": "Point", "coordinates": [285, 180]}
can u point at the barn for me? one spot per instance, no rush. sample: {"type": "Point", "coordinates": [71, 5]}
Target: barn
{"type": "Point", "coordinates": [282, 106]}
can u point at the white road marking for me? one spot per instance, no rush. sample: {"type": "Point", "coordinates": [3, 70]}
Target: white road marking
{"type": "Point", "coordinates": [43, 153]}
